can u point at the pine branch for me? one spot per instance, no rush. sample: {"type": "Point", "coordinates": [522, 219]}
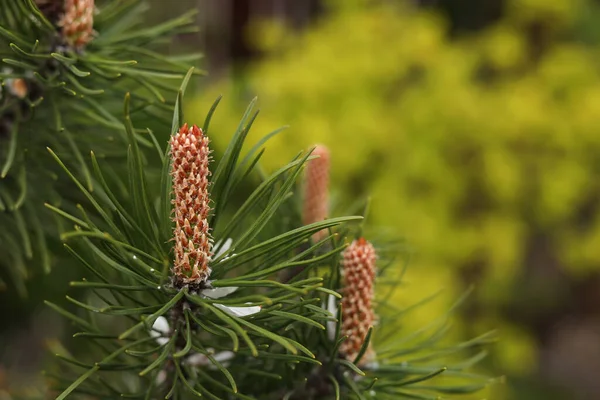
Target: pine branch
{"type": "Point", "coordinates": [65, 67]}
{"type": "Point", "coordinates": [237, 331]}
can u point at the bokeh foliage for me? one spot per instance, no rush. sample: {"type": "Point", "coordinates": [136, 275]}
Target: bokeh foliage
{"type": "Point", "coordinates": [482, 149]}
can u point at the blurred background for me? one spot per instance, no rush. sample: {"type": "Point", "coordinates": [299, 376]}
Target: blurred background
{"type": "Point", "coordinates": [474, 125]}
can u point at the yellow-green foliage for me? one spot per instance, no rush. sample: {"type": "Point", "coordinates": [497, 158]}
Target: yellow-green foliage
{"type": "Point", "coordinates": [469, 147]}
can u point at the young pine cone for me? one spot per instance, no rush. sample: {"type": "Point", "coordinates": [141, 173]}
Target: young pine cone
{"type": "Point", "coordinates": [189, 170]}
{"type": "Point", "coordinates": [358, 265]}
{"type": "Point", "coordinates": [316, 190]}
{"type": "Point", "coordinates": [77, 22]}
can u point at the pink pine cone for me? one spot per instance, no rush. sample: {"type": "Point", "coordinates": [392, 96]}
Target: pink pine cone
{"type": "Point", "coordinates": [77, 22]}
{"type": "Point", "coordinates": [189, 169]}
{"type": "Point", "coordinates": [358, 316]}
{"type": "Point", "coordinates": [316, 189]}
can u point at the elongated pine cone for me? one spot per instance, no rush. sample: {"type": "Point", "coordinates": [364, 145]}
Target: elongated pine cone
{"type": "Point", "coordinates": [316, 189]}
{"type": "Point", "coordinates": [189, 169]}
{"type": "Point", "coordinates": [358, 265]}
{"type": "Point", "coordinates": [77, 22]}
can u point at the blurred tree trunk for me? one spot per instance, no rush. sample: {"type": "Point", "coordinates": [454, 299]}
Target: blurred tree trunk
{"type": "Point", "coordinates": [223, 26]}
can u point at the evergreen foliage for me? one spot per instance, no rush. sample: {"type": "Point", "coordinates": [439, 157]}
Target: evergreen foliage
{"type": "Point", "coordinates": [270, 338]}
{"type": "Point", "coordinates": [64, 96]}
{"type": "Point", "coordinates": [265, 320]}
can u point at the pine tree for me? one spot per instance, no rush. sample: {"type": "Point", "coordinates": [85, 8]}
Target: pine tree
{"type": "Point", "coordinates": [195, 286]}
